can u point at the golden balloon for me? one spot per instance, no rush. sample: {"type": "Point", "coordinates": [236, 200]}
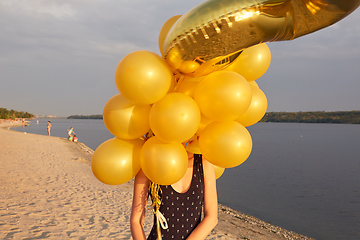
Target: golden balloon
{"type": "Point", "coordinates": [163, 163]}
{"type": "Point", "coordinates": [253, 84]}
{"type": "Point", "coordinates": [143, 77]}
{"type": "Point", "coordinates": [193, 146]}
{"type": "Point", "coordinates": [124, 119]}
{"type": "Point", "coordinates": [225, 144]}
{"type": "Point", "coordinates": [188, 86]}
{"type": "Point", "coordinates": [223, 95]}
{"type": "Point", "coordinates": [214, 33]}
{"type": "Point", "coordinates": [164, 31]}
{"type": "Point", "coordinates": [256, 110]}
{"type": "Point", "coordinates": [203, 123]}
{"type": "Point", "coordinates": [218, 171]}
{"type": "Point", "coordinates": [252, 63]}
{"type": "Point", "coordinates": [116, 161]}
{"type": "Point", "coordinates": [175, 118]}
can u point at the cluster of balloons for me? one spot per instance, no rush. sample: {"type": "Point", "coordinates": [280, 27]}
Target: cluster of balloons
{"type": "Point", "coordinates": [202, 88]}
{"type": "Point", "coordinates": [158, 108]}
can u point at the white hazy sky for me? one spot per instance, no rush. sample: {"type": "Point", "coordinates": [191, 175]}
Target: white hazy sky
{"type": "Point", "coordinates": [59, 57]}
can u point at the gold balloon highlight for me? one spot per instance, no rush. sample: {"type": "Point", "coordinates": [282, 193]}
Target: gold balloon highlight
{"type": "Point", "coordinates": [225, 144]}
{"type": "Point", "coordinates": [175, 118]}
{"type": "Point", "coordinates": [223, 95]}
{"type": "Point", "coordinates": [256, 110]}
{"type": "Point", "coordinates": [116, 161]}
{"type": "Point", "coordinates": [163, 163]}
{"type": "Point", "coordinates": [124, 119]}
{"type": "Point", "coordinates": [215, 32]}
{"type": "Point", "coordinates": [143, 77]}
{"type": "Point", "coordinates": [164, 31]}
{"type": "Point", "coordinates": [253, 62]}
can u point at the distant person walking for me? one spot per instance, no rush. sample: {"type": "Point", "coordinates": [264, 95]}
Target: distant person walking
{"type": "Point", "coordinates": [48, 127]}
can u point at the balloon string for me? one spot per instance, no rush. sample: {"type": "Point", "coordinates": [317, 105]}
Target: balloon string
{"type": "Point", "coordinates": [154, 190]}
{"type": "Point", "coordinates": [159, 236]}
{"type": "Point", "coordinates": [161, 221]}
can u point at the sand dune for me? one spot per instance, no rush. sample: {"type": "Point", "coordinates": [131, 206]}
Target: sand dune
{"type": "Point", "coordinates": [48, 191]}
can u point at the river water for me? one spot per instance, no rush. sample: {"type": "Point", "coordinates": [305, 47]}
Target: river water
{"type": "Point", "coordinates": [302, 177]}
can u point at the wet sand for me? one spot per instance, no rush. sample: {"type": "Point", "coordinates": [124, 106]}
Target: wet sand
{"type": "Point", "coordinates": [48, 191]}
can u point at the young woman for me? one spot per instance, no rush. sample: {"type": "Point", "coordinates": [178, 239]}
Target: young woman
{"type": "Point", "coordinates": [181, 205]}
{"type": "Point", "coordinates": [48, 127]}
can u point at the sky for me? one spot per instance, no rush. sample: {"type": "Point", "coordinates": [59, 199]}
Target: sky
{"type": "Point", "coordinates": [59, 57]}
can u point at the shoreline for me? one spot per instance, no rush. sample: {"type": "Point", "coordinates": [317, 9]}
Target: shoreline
{"type": "Point", "coordinates": [48, 190]}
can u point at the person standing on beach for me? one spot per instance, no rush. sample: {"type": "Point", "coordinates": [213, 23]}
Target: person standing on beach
{"type": "Point", "coordinates": [48, 127]}
{"type": "Point", "coordinates": [181, 203]}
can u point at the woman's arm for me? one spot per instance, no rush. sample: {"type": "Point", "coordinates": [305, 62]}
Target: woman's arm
{"type": "Point", "coordinates": [140, 196]}
{"type": "Point", "coordinates": [210, 204]}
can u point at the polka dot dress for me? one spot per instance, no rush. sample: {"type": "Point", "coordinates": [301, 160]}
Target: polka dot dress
{"type": "Point", "coordinates": [182, 210]}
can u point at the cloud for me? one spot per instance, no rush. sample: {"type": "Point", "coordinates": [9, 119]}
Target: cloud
{"type": "Point", "coordinates": [59, 57]}
{"type": "Point", "coordinates": [57, 9]}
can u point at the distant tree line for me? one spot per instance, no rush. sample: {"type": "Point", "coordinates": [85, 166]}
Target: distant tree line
{"type": "Point", "coordinates": [6, 114]}
{"type": "Point", "coordinates": [351, 117]}
{"type": "Point", "coordinates": [98, 116]}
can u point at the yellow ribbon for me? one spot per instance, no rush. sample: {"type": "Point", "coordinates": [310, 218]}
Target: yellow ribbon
{"type": "Point", "coordinates": [161, 221]}
{"type": "Point", "coordinates": [156, 199]}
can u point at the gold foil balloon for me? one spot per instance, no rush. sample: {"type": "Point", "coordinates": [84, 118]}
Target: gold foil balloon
{"type": "Point", "coordinates": [143, 77]}
{"type": "Point", "coordinates": [214, 33]}
{"type": "Point", "coordinates": [124, 119]}
{"type": "Point", "coordinates": [218, 171]}
{"type": "Point", "coordinates": [253, 62]}
{"type": "Point", "coordinates": [116, 161]}
{"type": "Point", "coordinates": [223, 95]}
{"type": "Point", "coordinates": [175, 118]}
{"type": "Point", "coordinates": [164, 31]}
{"type": "Point", "coordinates": [225, 144]}
{"type": "Point", "coordinates": [163, 163]}
{"type": "Point", "coordinates": [256, 110]}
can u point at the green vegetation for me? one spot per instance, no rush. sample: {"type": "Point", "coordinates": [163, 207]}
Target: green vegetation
{"type": "Point", "coordinates": [99, 116]}
{"type": "Point", "coordinates": [6, 114]}
{"type": "Point", "coordinates": [352, 117]}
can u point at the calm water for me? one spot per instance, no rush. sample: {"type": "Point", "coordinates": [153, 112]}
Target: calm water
{"type": "Point", "coordinates": [302, 177]}
{"type": "Point", "coordinates": [89, 131]}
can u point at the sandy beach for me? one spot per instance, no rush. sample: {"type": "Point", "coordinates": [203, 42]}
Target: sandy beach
{"type": "Point", "coordinates": [48, 191]}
